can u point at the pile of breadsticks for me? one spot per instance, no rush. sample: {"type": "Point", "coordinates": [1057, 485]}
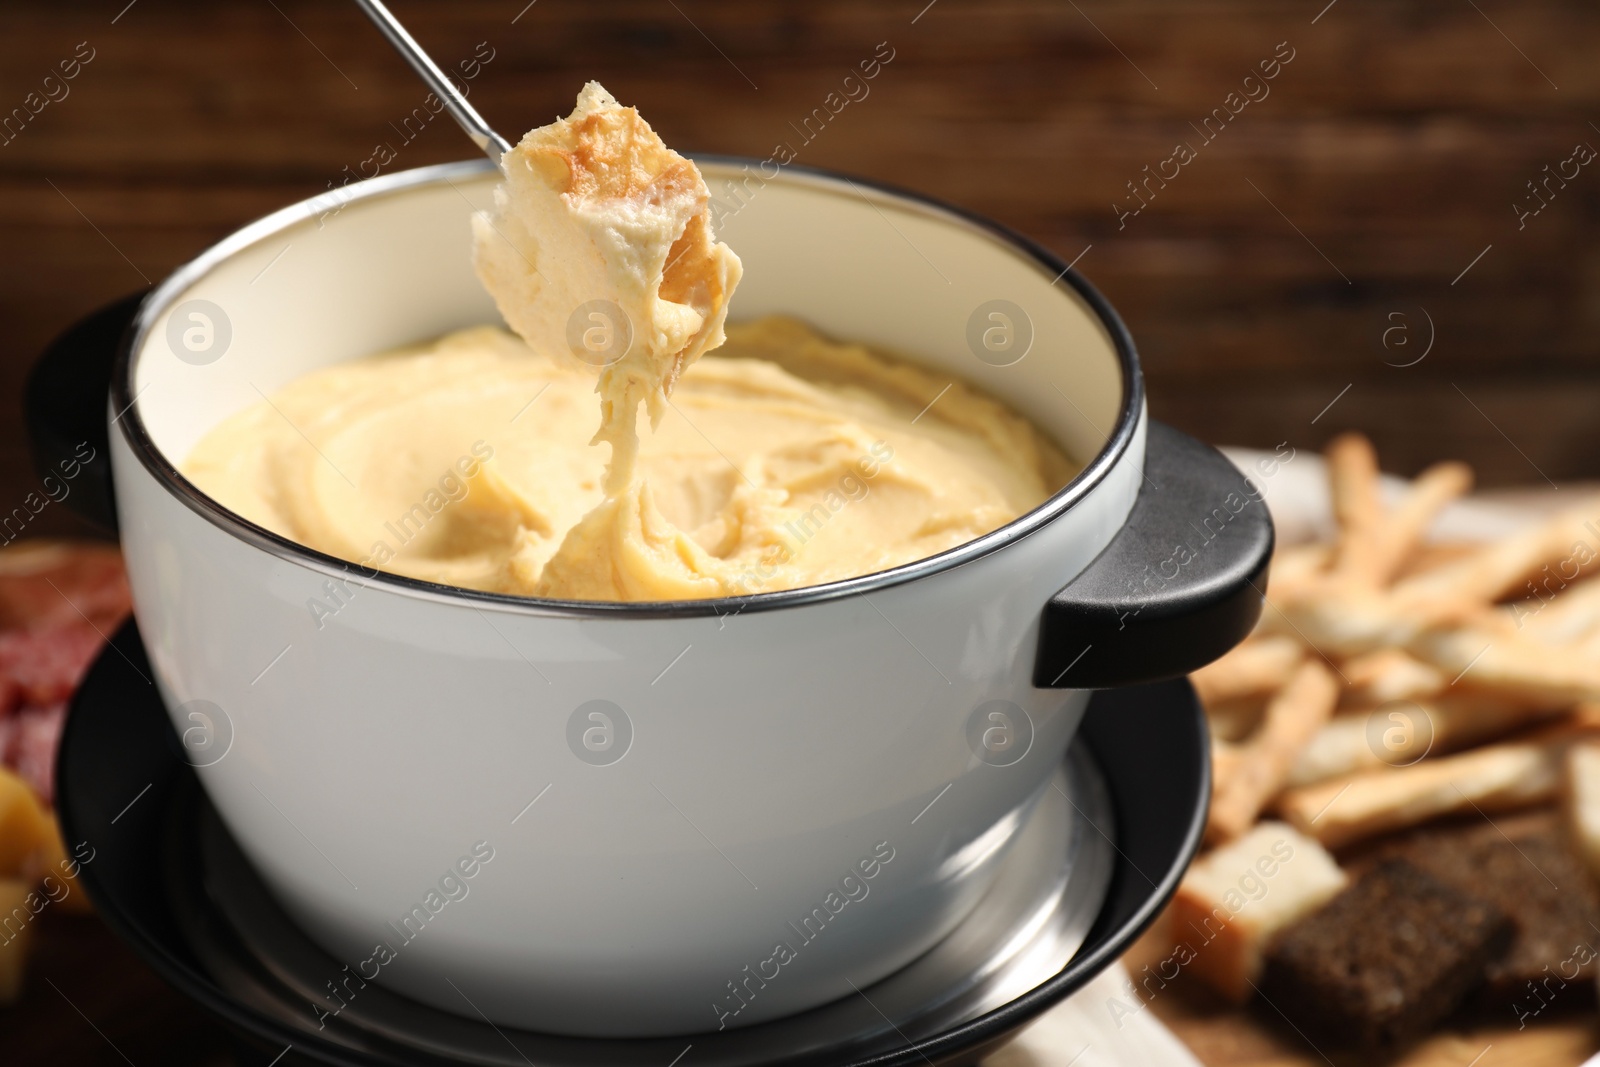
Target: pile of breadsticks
{"type": "Point", "coordinates": [1393, 680]}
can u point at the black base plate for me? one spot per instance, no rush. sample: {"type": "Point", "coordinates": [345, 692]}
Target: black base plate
{"type": "Point", "coordinates": [122, 786]}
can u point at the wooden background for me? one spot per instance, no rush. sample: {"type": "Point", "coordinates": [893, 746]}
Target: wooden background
{"type": "Point", "coordinates": [1396, 143]}
{"type": "Point", "coordinates": [1259, 283]}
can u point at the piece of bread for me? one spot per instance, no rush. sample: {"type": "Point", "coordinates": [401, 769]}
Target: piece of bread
{"type": "Point", "coordinates": [1531, 873]}
{"type": "Point", "coordinates": [1234, 898]}
{"type": "Point", "coordinates": [1384, 961]}
{"type": "Point", "coordinates": [1403, 527]}
{"type": "Point", "coordinates": [601, 235]}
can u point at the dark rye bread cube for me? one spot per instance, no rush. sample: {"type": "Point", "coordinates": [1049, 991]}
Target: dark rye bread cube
{"type": "Point", "coordinates": [1384, 960]}
{"type": "Point", "coordinates": [1531, 873]}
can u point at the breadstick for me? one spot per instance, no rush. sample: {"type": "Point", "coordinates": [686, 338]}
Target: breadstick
{"type": "Point", "coordinates": [1502, 567]}
{"type": "Point", "coordinates": [1296, 567]}
{"type": "Point", "coordinates": [1564, 615]}
{"type": "Point", "coordinates": [1391, 674]}
{"type": "Point", "coordinates": [1263, 763]}
{"type": "Point", "coordinates": [1344, 622]}
{"type": "Point", "coordinates": [1401, 530]}
{"type": "Point", "coordinates": [1431, 555]}
{"type": "Point", "coordinates": [1488, 659]}
{"type": "Point", "coordinates": [1465, 719]}
{"type": "Point", "coordinates": [1400, 733]}
{"type": "Point", "coordinates": [1257, 666]}
{"type": "Point", "coordinates": [1497, 778]}
{"type": "Point", "coordinates": [1339, 748]}
{"type": "Point", "coordinates": [1357, 507]}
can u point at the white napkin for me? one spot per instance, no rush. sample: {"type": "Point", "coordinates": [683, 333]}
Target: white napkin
{"type": "Point", "coordinates": [1296, 493]}
{"type": "Point", "coordinates": [1104, 1024]}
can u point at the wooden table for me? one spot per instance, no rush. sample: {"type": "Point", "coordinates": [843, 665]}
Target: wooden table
{"type": "Point", "coordinates": [1259, 282]}
{"type": "Point", "coordinates": [90, 1000]}
{"type": "Point", "coordinates": [87, 992]}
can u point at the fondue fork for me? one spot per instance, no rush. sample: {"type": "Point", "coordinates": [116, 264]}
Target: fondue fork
{"type": "Point", "coordinates": [494, 146]}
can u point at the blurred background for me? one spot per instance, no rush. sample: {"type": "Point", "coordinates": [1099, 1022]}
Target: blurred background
{"type": "Point", "coordinates": [1317, 242]}
{"type": "Point", "coordinates": [1394, 233]}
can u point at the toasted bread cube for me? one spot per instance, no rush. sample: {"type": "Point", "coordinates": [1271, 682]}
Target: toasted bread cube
{"type": "Point", "coordinates": [1236, 897]}
{"type": "Point", "coordinates": [1385, 961]}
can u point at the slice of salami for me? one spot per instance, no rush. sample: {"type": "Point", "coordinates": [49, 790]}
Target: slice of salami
{"type": "Point", "coordinates": [57, 600]}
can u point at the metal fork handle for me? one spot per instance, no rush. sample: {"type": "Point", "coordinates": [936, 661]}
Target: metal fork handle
{"type": "Point", "coordinates": [494, 146]}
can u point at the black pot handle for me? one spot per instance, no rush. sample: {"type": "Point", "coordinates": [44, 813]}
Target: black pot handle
{"type": "Point", "coordinates": [64, 403]}
{"type": "Point", "coordinates": [1179, 585]}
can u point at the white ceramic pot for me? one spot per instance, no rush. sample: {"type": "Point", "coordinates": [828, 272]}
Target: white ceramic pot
{"type": "Point", "coordinates": [642, 819]}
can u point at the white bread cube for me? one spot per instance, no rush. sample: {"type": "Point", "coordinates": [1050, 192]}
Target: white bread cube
{"type": "Point", "coordinates": [1234, 899]}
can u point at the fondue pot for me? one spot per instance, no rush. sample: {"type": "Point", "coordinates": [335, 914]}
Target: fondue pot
{"type": "Point", "coordinates": [656, 818]}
